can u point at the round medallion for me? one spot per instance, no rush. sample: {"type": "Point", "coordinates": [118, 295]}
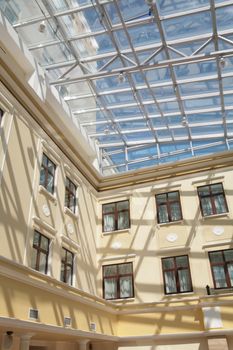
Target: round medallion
{"type": "Point", "coordinates": [116, 245]}
{"type": "Point", "coordinates": [70, 228]}
{"type": "Point", "coordinates": [171, 237]}
{"type": "Point", "coordinates": [46, 210]}
{"type": "Point", "coordinates": [218, 230]}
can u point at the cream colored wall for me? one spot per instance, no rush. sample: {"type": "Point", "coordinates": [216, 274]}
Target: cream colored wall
{"type": "Point", "coordinates": [149, 241]}
{"type": "Point", "coordinates": [22, 200]}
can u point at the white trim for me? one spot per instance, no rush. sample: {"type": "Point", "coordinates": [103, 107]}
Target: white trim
{"type": "Point", "coordinates": [44, 225]}
{"type": "Point", "coordinates": [71, 173]}
{"type": "Point", "coordinates": [118, 257]}
{"type": "Point", "coordinates": [215, 216]}
{"type": "Point", "coordinates": [51, 196]}
{"type": "Point", "coordinates": [164, 252]}
{"type": "Point", "coordinates": [207, 181]}
{"type": "Point", "coordinates": [70, 243]}
{"type": "Point", "coordinates": [217, 243]}
{"type": "Point", "coordinates": [178, 222]}
{"type": "Point", "coordinates": [69, 212]}
{"type": "Point", "coordinates": [114, 198]}
{"type": "Point", "coordinates": [165, 188]}
{"type": "Point", "coordinates": [50, 152]}
{"type": "Point", "coordinates": [126, 230]}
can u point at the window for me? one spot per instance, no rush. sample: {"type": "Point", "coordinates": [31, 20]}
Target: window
{"type": "Point", "coordinates": [47, 174]}
{"type": "Point", "coordinates": [116, 216]}
{"type": "Point", "coordinates": [168, 207]}
{"type": "Point", "coordinates": [118, 281]}
{"type": "Point", "coordinates": [176, 275]}
{"type": "Point", "coordinates": [212, 199]}
{"type": "Point", "coordinates": [222, 268]}
{"type": "Point", "coordinates": [67, 260]}
{"type": "Point", "coordinates": [40, 252]}
{"type": "Point", "coordinates": [70, 195]}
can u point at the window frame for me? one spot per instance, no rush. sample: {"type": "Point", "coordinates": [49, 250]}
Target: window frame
{"type": "Point", "coordinates": [116, 212]}
{"type": "Point", "coordinates": [117, 277]}
{"type": "Point", "coordinates": [168, 206]}
{"type": "Point", "coordinates": [66, 264]}
{"type": "Point", "coordinates": [211, 196]}
{"type": "Point", "coordinates": [224, 264]}
{"type": "Point", "coordinates": [40, 250]}
{"type": "Point", "coordinates": [71, 195]}
{"type": "Point", "coordinates": [176, 269]}
{"type": "Point", "coordinates": [46, 169]}
{"type": "Point", "coordinates": [2, 112]}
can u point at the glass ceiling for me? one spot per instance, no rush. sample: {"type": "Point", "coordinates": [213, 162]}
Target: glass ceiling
{"type": "Point", "coordinates": [147, 84]}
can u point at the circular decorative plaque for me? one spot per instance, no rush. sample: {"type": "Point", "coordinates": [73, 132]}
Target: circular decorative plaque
{"type": "Point", "coordinates": [70, 228]}
{"type": "Point", "coordinates": [46, 210]}
{"type": "Point", "coordinates": [171, 237]}
{"type": "Point", "coordinates": [116, 245]}
{"type": "Point", "coordinates": [218, 230]}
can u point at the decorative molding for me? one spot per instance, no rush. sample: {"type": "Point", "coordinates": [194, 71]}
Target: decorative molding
{"type": "Point", "coordinates": [165, 251]}
{"type": "Point", "coordinates": [208, 180]}
{"type": "Point", "coordinates": [171, 237]}
{"type": "Point", "coordinates": [118, 257]}
{"type": "Point", "coordinates": [46, 210]}
{"type": "Point", "coordinates": [48, 194]}
{"type": "Point", "coordinates": [70, 242]}
{"type": "Point", "coordinates": [220, 243]}
{"type": "Point", "coordinates": [165, 188]}
{"type": "Point", "coordinates": [50, 152]}
{"type": "Point", "coordinates": [44, 225]}
{"type": "Point", "coordinates": [70, 213]}
{"type": "Point", "coordinates": [126, 230]}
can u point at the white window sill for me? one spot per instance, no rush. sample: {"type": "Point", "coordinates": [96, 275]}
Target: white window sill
{"type": "Point", "coordinates": [49, 195]}
{"type": "Point", "coordinates": [126, 230]}
{"type": "Point", "coordinates": [178, 222]}
{"type": "Point", "coordinates": [70, 213]}
{"type": "Point", "coordinates": [215, 216]}
{"type": "Point", "coordinates": [121, 300]}
{"type": "Point", "coordinates": [178, 295]}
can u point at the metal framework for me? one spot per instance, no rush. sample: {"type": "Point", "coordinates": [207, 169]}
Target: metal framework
{"type": "Point", "coordinates": [148, 84]}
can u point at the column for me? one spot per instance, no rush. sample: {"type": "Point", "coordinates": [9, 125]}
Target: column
{"type": "Point", "coordinates": [217, 343]}
{"type": "Point", "coordinates": [83, 344]}
{"type": "Point", "coordinates": [25, 341]}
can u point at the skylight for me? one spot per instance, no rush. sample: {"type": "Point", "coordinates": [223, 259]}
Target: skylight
{"type": "Point", "coordinates": [149, 84]}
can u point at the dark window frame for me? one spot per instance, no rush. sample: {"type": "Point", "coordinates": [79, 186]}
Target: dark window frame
{"type": "Point", "coordinates": [211, 196]}
{"type": "Point", "coordinates": [2, 112]}
{"type": "Point", "coordinates": [70, 196]}
{"type": "Point", "coordinates": [67, 264]}
{"type": "Point", "coordinates": [168, 203]}
{"type": "Point", "coordinates": [117, 277]}
{"type": "Point", "coordinates": [176, 269]}
{"type": "Point", "coordinates": [224, 264]}
{"type": "Point", "coordinates": [115, 212]}
{"type": "Point", "coordinates": [47, 172]}
{"type": "Point", "coordinates": [40, 250]}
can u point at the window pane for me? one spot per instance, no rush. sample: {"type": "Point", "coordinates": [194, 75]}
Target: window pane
{"type": "Point", "coordinates": [173, 195]}
{"type": "Point", "coordinates": [49, 186]}
{"type": "Point", "coordinates": [125, 269]}
{"type": "Point", "coordinates": [42, 177]}
{"type": "Point", "coordinates": [44, 243]}
{"type": "Point", "coordinates": [62, 272]}
{"type": "Point", "coordinates": [51, 167]}
{"type": "Point", "coordinates": [206, 206]}
{"type": "Point", "coordinates": [168, 263]}
{"type": "Point", "coordinates": [216, 188]}
{"type": "Point", "coordinates": [175, 211]}
{"type": "Point", "coordinates": [230, 272]}
{"type": "Point", "coordinates": [126, 287]}
{"type": "Point", "coordinates": [220, 206]}
{"type": "Point", "coordinates": [161, 198]}
{"type": "Point", "coordinates": [69, 257]}
{"type": "Point", "coordinates": [216, 257]}
{"type": "Point", "coordinates": [228, 254]}
{"type": "Point", "coordinates": [123, 220]}
{"type": "Point", "coordinates": [170, 282]}
{"type": "Point", "coordinates": [109, 222]}
{"type": "Point", "coordinates": [33, 258]}
{"type": "Point", "coordinates": [110, 270]}
{"type": "Point", "coordinates": [182, 261]}
{"type": "Point", "coordinates": [108, 208]}
{"type": "Point", "coordinates": [203, 191]}
{"type": "Point", "coordinates": [36, 238]}
{"type": "Point", "coordinates": [163, 214]}
{"type": "Point", "coordinates": [44, 160]}
{"type": "Point", "coordinates": [42, 263]}
{"type": "Point", "coordinates": [219, 277]}
{"type": "Point", "coordinates": [68, 274]}
{"type": "Point", "coordinates": [110, 288]}
{"type": "Point", "coordinates": [184, 280]}
{"type": "Point", "coordinates": [122, 205]}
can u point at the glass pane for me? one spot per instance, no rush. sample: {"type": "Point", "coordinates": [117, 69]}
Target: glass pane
{"type": "Point", "coordinates": [68, 274]}
{"type": "Point", "coordinates": [216, 257]}
{"type": "Point", "coordinates": [51, 167]}
{"type": "Point", "coordinates": [69, 257]}
{"type": "Point", "coordinates": [228, 254]}
{"type": "Point", "coordinates": [175, 211]}
{"type": "Point", "coordinates": [219, 277]}
{"type": "Point", "coordinates": [108, 208]}
{"type": "Point", "coordinates": [182, 261]}
{"type": "Point", "coordinates": [62, 272]}
{"type": "Point", "coordinates": [125, 269]}
{"type": "Point", "coordinates": [33, 258]}
{"type": "Point", "coordinates": [184, 280]}
{"type": "Point", "coordinates": [160, 198]}
{"type": "Point", "coordinates": [220, 205]}
{"type": "Point", "coordinates": [109, 222]}
{"type": "Point", "coordinates": [173, 195]}
{"type": "Point", "coordinates": [44, 243]}
{"type": "Point", "coordinates": [203, 190]}
{"type": "Point", "coordinates": [110, 288]}
{"type": "Point", "coordinates": [42, 177]}
{"type": "Point", "coordinates": [126, 287]}
{"type": "Point", "coordinates": [110, 270]}
{"type": "Point", "coordinates": [36, 238]}
{"type": "Point", "coordinates": [49, 186]}
{"type": "Point", "coordinates": [206, 206]}
{"type": "Point", "coordinates": [123, 220]}
{"type": "Point", "coordinates": [170, 282]}
{"type": "Point", "coordinates": [122, 205]}
{"type": "Point", "coordinates": [168, 263]}
{"type": "Point", "coordinates": [163, 214]}
{"type": "Point", "coordinates": [216, 188]}
{"type": "Point", "coordinates": [230, 272]}
{"type": "Point", "coordinates": [43, 263]}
